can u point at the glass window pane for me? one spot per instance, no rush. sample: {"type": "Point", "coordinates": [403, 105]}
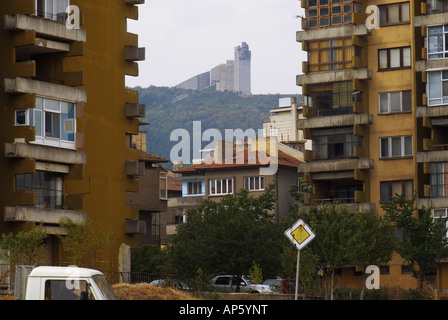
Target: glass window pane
{"type": "Point", "coordinates": [408, 190]}
{"type": "Point", "coordinates": [384, 147]}
{"type": "Point", "coordinates": [383, 59]}
{"type": "Point", "coordinates": [408, 146]}
{"type": "Point", "coordinates": [397, 188]}
{"type": "Point", "coordinates": [394, 16]}
{"type": "Point", "coordinates": [407, 101]}
{"type": "Point", "coordinates": [395, 103]}
{"type": "Point", "coordinates": [384, 191]}
{"type": "Point", "coordinates": [395, 58]}
{"type": "Point", "coordinates": [405, 12]}
{"type": "Point", "coordinates": [435, 39]}
{"type": "Point", "coordinates": [52, 105]}
{"type": "Point", "coordinates": [435, 88]}
{"type": "Point", "coordinates": [20, 117]}
{"type": "Point", "coordinates": [445, 88]}
{"type": "Point", "coordinates": [396, 146]}
{"type": "Point", "coordinates": [383, 103]}
{"type": "Point", "coordinates": [407, 57]}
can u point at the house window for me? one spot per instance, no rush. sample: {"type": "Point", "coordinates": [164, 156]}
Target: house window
{"type": "Point", "coordinates": [324, 13]}
{"type": "Point", "coordinates": [436, 6]}
{"type": "Point", "coordinates": [194, 187]}
{"type": "Point", "coordinates": [335, 146]}
{"type": "Point", "coordinates": [394, 58]}
{"type": "Point", "coordinates": [330, 54]}
{"type": "Point", "coordinates": [388, 189]}
{"type": "Point", "coordinates": [54, 121]}
{"type": "Point", "coordinates": [440, 216]}
{"type": "Point", "coordinates": [332, 99]}
{"type": "Point", "coordinates": [396, 147]}
{"type": "Point", "coordinates": [220, 186]}
{"type": "Point", "coordinates": [155, 225]}
{"type": "Point", "coordinates": [48, 188]}
{"type": "Point", "coordinates": [254, 183]}
{"type": "Point", "coordinates": [392, 14]}
{"type": "Point", "coordinates": [437, 87]}
{"type": "Point", "coordinates": [394, 102]}
{"type": "Point", "coordinates": [52, 9]}
{"type": "Point", "coordinates": [438, 179]}
{"type": "Point", "coordinates": [163, 185]}
{"type": "Point", "coordinates": [438, 42]}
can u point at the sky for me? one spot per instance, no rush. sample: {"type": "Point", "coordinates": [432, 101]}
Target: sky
{"type": "Point", "coordinates": [184, 38]}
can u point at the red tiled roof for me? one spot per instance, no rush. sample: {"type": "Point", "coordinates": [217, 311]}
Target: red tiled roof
{"type": "Point", "coordinates": [150, 157]}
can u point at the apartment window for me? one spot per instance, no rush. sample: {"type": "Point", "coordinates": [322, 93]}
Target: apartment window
{"type": "Point", "coordinates": [330, 54]}
{"type": "Point", "coordinates": [194, 187]}
{"type": "Point", "coordinates": [332, 99]}
{"type": "Point", "coordinates": [155, 225]}
{"type": "Point", "coordinates": [48, 188]}
{"type": "Point", "coordinates": [388, 189]}
{"type": "Point", "coordinates": [54, 121]}
{"type": "Point", "coordinates": [436, 6]}
{"type": "Point", "coordinates": [163, 185]}
{"type": "Point", "coordinates": [394, 102]}
{"type": "Point", "coordinates": [392, 14]}
{"type": "Point", "coordinates": [254, 183]}
{"type": "Point", "coordinates": [52, 9]}
{"type": "Point", "coordinates": [395, 147]}
{"type": "Point", "coordinates": [324, 13]}
{"type": "Point", "coordinates": [394, 58]}
{"type": "Point", "coordinates": [220, 186]}
{"type": "Point", "coordinates": [335, 146]}
{"type": "Point", "coordinates": [438, 42]}
{"type": "Point", "coordinates": [440, 216]}
{"type": "Point", "coordinates": [437, 87]}
{"type": "Point", "coordinates": [438, 179]}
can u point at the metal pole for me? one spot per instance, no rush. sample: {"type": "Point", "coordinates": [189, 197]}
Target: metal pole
{"type": "Point", "coordinates": [297, 274]}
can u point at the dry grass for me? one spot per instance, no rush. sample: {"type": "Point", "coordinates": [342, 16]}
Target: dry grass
{"type": "Point", "coordinates": [144, 291]}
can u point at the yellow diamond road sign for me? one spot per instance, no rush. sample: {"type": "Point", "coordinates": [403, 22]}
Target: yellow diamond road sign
{"type": "Point", "coordinates": [300, 234]}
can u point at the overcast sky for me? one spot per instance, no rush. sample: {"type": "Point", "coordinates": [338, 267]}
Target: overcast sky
{"type": "Point", "coordinates": [186, 37]}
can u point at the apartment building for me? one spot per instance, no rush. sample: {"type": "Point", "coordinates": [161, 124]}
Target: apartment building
{"type": "Point", "coordinates": [67, 120]}
{"type": "Point", "coordinates": [376, 95]}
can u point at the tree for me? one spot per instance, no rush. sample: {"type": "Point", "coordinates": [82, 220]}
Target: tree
{"type": "Point", "coordinates": [229, 236]}
{"type": "Point", "coordinates": [83, 242]}
{"type": "Point", "coordinates": [26, 247]}
{"type": "Point", "coordinates": [421, 242]}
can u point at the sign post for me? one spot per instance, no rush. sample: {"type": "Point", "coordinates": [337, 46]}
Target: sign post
{"type": "Point", "coordinates": [300, 235]}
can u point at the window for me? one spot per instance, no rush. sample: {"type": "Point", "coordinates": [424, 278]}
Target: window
{"type": "Point", "coordinates": [436, 6]}
{"type": "Point", "coordinates": [324, 13]}
{"type": "Point", "coordinates": [438, 179]}
{"type": "Point", "coordinates": [52, 9]}
{"type": "Point", "coordinates": [163, 185]}
{"type": "Point", "coordinates": [392, 14]}
{"type": "Point", "coordinates": [335, 146]}
{"type": "Point", "coordinates": [440, 216]}
{"type": "Point", "coordinates": [437, 87]}
{"type": "Point", "coordinates": [394, 58]}
{"type": "Point", "coordinates": [396, 147]}
{"type": "Point", "coordinates": [332, 99]}
{"type": "Point", "coordinates": [394, 102]}
{"type": "Point", "coordinates": [220, 186]}
{"type": "Point", "coordinates": [54, 121]}
{"type": "Point", "coordinates": [254, 183]}
{"type": "Point", "coordinates": [59, 290]}
{"type": "Point", "coordinates": [330, 54]}
{"type": "Point", "coordinates": [194, 187]}
{"type": "Point", "coordinates": [48, 188]}
{"type": "Point", "coordinates": [155, 225]}
{"type": "Point", "coordinates": [388, 189]}
{"type": "Point", "coordinates": [438, 42]}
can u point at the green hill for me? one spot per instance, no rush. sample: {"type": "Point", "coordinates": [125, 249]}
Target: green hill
{"type": "Point", "coordinates": [168, 109]}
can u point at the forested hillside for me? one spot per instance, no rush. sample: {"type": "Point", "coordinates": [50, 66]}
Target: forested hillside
{"type": "Point", "coordinates": [170, 108]}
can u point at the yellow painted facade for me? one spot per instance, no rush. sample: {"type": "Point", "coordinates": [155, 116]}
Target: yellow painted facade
{"type": "Point", "coordinates": [68, 120]}
{"type": "Point", "coordinates": [392, 135]}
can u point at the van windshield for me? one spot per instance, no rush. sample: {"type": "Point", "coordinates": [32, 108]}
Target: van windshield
{"type": "Point", "coordinates": [105, 287]}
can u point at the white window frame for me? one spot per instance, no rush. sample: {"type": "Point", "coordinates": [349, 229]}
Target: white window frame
{"type": "Point", "coordinates": [52, 13]}
{"type": "Point", "coordinates": [195, 186]}
{"type": "Point", "coordinates": [444, 215]}
{"type": "Point", "coordinates": [163, 180]}
{"type": "Point", "coordinates": [389, 104]}
{"type": "Point", "coordinates": [444, 51]}
{"type": "Point", "coordinates": [439, 100]}
{"type": "Point", "coordinates": [255, 183]}
{"type": "Point", "coordinates": [389, 149]}
{"type": "Point", "coordinates": [67, 126]}
{"type": "Point", "coordinates": [219, 184]}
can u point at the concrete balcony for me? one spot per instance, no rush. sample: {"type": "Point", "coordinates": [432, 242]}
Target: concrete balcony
{"type": "Point", "coordinates": [135, 226]}
{"type": "Point", "coordinates": [432, 111]}
{"type": "Point", "coordinates": [423, 65]}
{"type": "Point", "coordinates": [42, 215]}
{"type": "Point", "coordinates": [432, 156]}
{"type": "Point", "coordinates": [334, 76]}
{"type": "Point", "coordinates": [134, 168]}
{"type": "Point", "coordinates": [334, 169]}
{"type": "Point", "coordinates": [44, 153]}
{"type": "Point", "coordinates": [430, 19]}
{"type": "Point", "coordinates": [432, 202]}
{"type": "Point", "coordinates": [334, 121]}
{"type": "Point", "coordinates": [351, 207]}
{"type": "Point", "coordinates": [45, 28]}
{"type": "Point", "coordinates": [332, 32]}
{"type": "Point", "coordinates": [134, 1]}
{"type": "Point", "coordinates": [134, 53]}
{"type": "Point", "coordinates": [46, 89]}
{"type": "Point", "coordinates": [135, 110]}
{"type": "Point", "coordinates": [185, 202]}
{"type": "Point", "coordinates": [171, 229]}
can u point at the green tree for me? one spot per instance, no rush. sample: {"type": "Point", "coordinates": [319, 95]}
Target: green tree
{"type": "Point", "coordinates": [83, 241]}
{"type": "Point", "coordinates": [229, 236]}
{"type": "Point", "coordinates": [26, 247]}
{"type": "Point", "coordinates": [421, 241]}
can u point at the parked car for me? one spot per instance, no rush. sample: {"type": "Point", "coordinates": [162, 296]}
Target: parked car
{"type": "Point", "coordinates": [228, 283]}
{"type": "Point", "coordinates": [178, 284]}
{"type": "Point", "coordinates": [282, 285]}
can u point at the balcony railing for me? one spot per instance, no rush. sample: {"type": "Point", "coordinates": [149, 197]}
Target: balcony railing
{"type": "Point", "coordinates": [60, 17]}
